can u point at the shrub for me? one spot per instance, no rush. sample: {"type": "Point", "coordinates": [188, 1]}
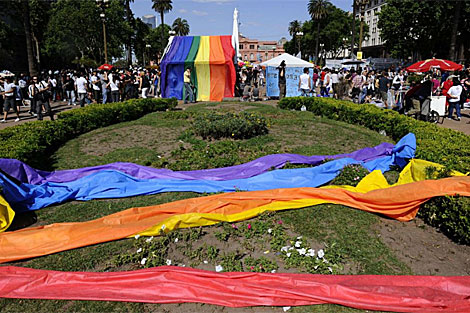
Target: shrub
{"type": "Point", "coordinates": [34, 142]}
{"type": "Point", "coordinates": [350, 175]}
{"type": "Point", "coordinates": [441, 145]}
{"type": "Point", "coordinates": [237, 126]}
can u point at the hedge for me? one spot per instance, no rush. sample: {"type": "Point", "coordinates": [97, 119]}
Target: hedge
{"type": "Point", "coordinates": [34, 142]}
{"type": "Point", "coordinates": [441, 145]}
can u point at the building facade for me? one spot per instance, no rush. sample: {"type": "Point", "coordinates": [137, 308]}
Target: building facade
{"type": "Point", "coordinates": [372, 45]}
{"type": "Point", "coordinates": [256, 51]}
{"type": "Point", "coordinates": [150, 20]}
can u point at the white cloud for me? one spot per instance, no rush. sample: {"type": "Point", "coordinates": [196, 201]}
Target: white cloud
{"type": "Point", "coordinates": [183, 11]}
{"type": "Point", "coordinates": [199, 13]}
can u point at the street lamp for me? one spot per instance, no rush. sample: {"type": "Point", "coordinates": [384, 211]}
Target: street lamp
{"type": "Point", "coordinates": [103, 5]}
{"type": "Point", "coordinates": [362, 4]}
{"type": "Point", "coordinates": [147, 47]}
{"type": "Point", "coordinates": [299, 38]}
{"type": "Point", "coordinates": [321, 50]}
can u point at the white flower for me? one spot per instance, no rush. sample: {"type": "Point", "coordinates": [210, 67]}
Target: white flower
{"type": "Point", "coordinates": [144, 260]}
{"type": "Point", "coordinates": [286, 308]}
{"type": "Point", "coordinates": [270, 230]}
{"type": "Point", "coordinates": [163, 227]}
{"type": "Point", "coordinates": [315, 267]}
{"type": "Point", "coordinates": [139, 250]}
{"type": "Point", "coordinates": [288, 254]}
{"type": "Point", "coordinates": [321, 253]}
{"type": "Point", "coordinates": [325, 261]}
{"type": "Point", "coordinates": [219, 268]}
{"type": "Point", "coordinates": [302, 251]}
{"type": "Point", "coordinates": [266, 252]}
{"type": "Point", "coordinates": [137, 236]}
{"type": "Point", "coordinates": [168, 262]}
{"type": "Point", "coordinates": [291, 248]}
{"type": "Point", "coordinates": [273, 271]}
{"type": "Point", "coordinates": [205, 262]}
{"type": "Point", "coordinates": [330, 269]}
{"type": "Point", "coordinates": [284, 249]}
{"type": "Point", "coordinates": [297, 244]}
{"type": "Point", "coordinates": [300, 237]}
{"type": "Point", "coordinates": [176, 240]}
{"type": "Point", "coordinates": [159, 156]}
{"type": "Point", "coordinates": [182, 265]}
{"type": "Point", "coordinates": [311, 252]}
{"type": "Point", "coordinates": [149, 239]}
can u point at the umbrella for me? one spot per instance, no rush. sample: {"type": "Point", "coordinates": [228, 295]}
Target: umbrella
{"type": "Point", "coordinates": [106, 67]}
{"type": "Point", "coordinates": [426, 65]}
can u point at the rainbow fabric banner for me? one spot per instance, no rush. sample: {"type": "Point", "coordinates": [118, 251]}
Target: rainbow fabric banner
{"type": "Point", "coordinates": [211, 61]}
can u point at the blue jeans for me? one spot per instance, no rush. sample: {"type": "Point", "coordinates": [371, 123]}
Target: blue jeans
{"type": "Point", "coordinates": [71, 96]}
{"type": "Point", "coordinates": [105, 95]}
{"type": "Point", "coordinates": [188, 93]}
{"type": "Point", "coordinates": [451, 108]}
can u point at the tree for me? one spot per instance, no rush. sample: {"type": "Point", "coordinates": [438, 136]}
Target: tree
{"type": "Point", "coordinates": [155, 40]}
{"type": "Point", "coordinates": [318, 10]}
{"type": "Point", "coordinates": [295, 27]}
{"type": "Point", "coordinates": [420, 29]}
{"type": "Point", "coordinates": [130, 21]}
{"type": "Point", "coordinates": [162, 7]}
{"type": "Point", "coordinates": [75, 31]}
{"type": "Point", "coordinates": [141, 33]}
{"type": "Point", "coordinates": [181, 27]}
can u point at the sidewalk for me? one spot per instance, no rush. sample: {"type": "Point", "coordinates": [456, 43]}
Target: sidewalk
{"type": "Point", "coordinates": [456, 125]}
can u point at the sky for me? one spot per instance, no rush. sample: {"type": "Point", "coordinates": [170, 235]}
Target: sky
{"type": "Point", "coordinates": [260, 19]}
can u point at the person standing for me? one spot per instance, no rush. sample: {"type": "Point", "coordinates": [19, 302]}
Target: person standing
{"type": "Point", "coordinates": [9, 95]}
{"type": "Point", "coordinates": [384, 86]}
{"type": "Point", "coordinates": [96, 86]}
{"type": "Point", "coordinates": [334, 83]}
{"type": "Point", "coordinates": [113, 84]}
{"type": "Point", "coordinates": [81, 83]}
{"type": "Point", "coordinates": [40, 93]}
{"type": "Point", "coordinates": [144, 84]}
{"type": "Point", "coordinates": [104, 86]}
{"type": "Point", "coordinates": [282, 79]}
{"type": "Point", "coordinates": [454, 98]}
{"type": "Point", "coordinates": [69, 85]}
{"type": "Point", "coordinates": [188, 90]}
{"type": "Point", "coordinates": [304, 83]}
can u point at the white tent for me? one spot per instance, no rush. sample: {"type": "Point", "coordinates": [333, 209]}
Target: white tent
{"type": "Point", "coordinates": [291, 61]}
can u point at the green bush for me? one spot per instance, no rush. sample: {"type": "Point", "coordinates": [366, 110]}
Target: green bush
{"type": "Point", "coordinates": [350, 175]}
{"type": "Point", "coordinates": [441, 145]}
{"type": "Point", "coordinates": [34, 142]}
{"type": "Point", "coordinates": [237, 126]}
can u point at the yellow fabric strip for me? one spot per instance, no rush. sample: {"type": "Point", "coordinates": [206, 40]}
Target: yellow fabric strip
{"type": "Point", "coordinates": [203, 69]}
{"type": "Point", "coordinates": [6, 214]}
{"type": "Point", "coordinates": [413, 172]}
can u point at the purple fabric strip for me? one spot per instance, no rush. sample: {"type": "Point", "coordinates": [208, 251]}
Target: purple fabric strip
{"type": "Point", "coordinates": [27, 174]}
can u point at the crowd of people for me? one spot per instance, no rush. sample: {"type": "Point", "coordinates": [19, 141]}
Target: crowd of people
{"type": "Point", "coordinates": [75, 87]}
{"type": "Point", "coordinates": [386, 88]}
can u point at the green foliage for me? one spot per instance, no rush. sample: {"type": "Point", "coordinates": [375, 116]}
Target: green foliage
{"type": "Point", "coordinates": [351, 175]}
{"type": "Point", "coordinates": [441, 145]}
{"type": "Point", "coordinates": [237, 126]}
{"type": "Point", "coordinates": [450, 214]}
{"type": "Point", "coordinates": [429, 34]}
{"type": "Point", "coordinates": [260, 265]}
{"type": "Point", "coordinates": [34, 142]}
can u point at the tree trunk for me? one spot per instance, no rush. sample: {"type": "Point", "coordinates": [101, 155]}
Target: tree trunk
{"type": "Point", "coordinates": [453, 38]}
{"type": "Point", "coordinates": [33, 71]}
{"type": "Point", "coordinates": [163, 31]}
{"type": "Point", "coordinates": [129, 39]}
{"type": "Point", "coordinates": [318, 39]}
{"type": "Point", "coordinates": [353, 28]}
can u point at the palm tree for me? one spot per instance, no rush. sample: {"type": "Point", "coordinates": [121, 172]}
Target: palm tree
{"type": "Point", "coordinates": [162, 7]}
{"type": "Point", "coordinates": [295, 27]}
{"type": "Point", "coordinates": [318, 10]}
{"type": "Point", "coordinates": [181, 27]}
{"type": "Point", "coordinates": [29, 37]}
{"type": "Point", "coordinates": [130, 21]}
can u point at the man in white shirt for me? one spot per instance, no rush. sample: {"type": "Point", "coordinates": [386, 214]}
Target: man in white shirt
{"type": "Point", "coordinates": [454, 98]}
{"type": "Point", "coordinates": [53, 84]}
{"type": "Point", "coordinates": [9, 99]}
{"type": "Point", "coordinates": [81, 84]}
{"type": "Point", "coordinates": [304, 83]}
{"type": "Point", "coordinates": [334, 82]}
{"type": "Point", "coordinates": [96, 84]}
{"type": "Point", "coordinates": [41, 96]}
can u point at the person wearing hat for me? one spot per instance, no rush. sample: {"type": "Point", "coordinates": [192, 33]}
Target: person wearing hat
{"type": "Point", "coordinates": [282, 79]}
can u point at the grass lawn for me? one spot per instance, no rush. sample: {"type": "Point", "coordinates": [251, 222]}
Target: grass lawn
{"type": "Point", "coordinates": [349, 237]}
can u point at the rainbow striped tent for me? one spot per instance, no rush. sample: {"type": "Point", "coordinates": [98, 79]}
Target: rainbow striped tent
{"type": "Point", "coordinates": [211, 61]}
